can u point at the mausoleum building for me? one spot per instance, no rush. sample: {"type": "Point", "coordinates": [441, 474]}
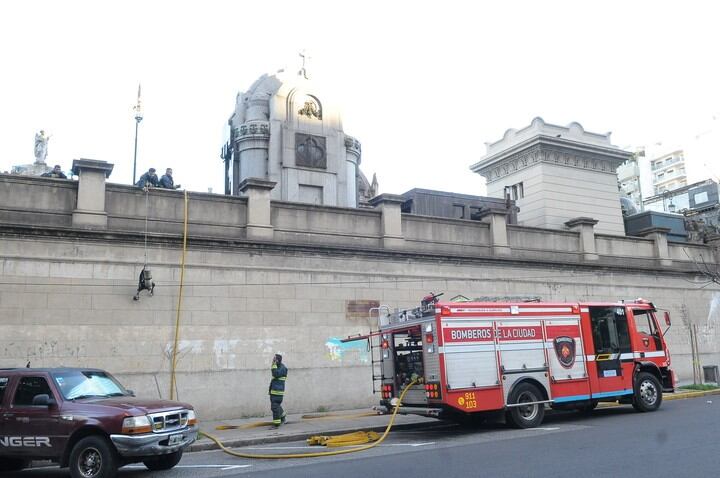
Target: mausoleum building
{"type": "Point", "coordinates": [285, 130]}
{"type": "Point", "coordinates": [556, 173]}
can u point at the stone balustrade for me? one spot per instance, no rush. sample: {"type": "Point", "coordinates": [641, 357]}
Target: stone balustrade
{"type": "Point", "coordinates": [92, 204]}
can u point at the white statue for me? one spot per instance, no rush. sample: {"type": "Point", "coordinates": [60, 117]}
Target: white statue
{"type": "Point", "coordinates": [41, 146]}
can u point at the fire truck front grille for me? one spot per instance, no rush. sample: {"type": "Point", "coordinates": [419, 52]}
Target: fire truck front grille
{"type": "Point", "coordinates": [168, 421]}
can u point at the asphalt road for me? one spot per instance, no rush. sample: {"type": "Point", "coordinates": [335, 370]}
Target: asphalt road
{"type": "Point", "coordinates": [681, 439]}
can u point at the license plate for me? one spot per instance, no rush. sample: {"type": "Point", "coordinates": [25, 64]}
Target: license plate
{"type": "Point", "coordinates": [175, 439]}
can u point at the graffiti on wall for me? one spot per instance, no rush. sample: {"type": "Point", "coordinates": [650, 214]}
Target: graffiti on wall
{"type": "Point", "coordinates": [348, 351]}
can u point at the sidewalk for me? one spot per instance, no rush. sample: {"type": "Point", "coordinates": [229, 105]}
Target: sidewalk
{"type": "Point", "coordinates": [302, 426]}
{"type": "Point", "coordinates": [299, 428]}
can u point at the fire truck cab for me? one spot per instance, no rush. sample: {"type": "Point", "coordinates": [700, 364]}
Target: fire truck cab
{"type": "Point", "coordinates": [474, 358]}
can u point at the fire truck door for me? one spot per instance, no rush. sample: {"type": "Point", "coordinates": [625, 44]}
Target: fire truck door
{"type": "Point", "coordinates": [613, 363]}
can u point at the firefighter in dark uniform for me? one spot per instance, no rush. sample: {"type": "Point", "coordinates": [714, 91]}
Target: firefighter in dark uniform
{"type": "Point", "coordinates": [277, 390]}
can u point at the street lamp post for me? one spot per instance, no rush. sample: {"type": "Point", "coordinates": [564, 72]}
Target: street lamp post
{"type": "Point", "coordinates": [668, 207]}
{"type": "Point", "coordinates": [138, 119]}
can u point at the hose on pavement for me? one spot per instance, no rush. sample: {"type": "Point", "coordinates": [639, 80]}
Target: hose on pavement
{"type": "Point", "coordinates": [344, 441]}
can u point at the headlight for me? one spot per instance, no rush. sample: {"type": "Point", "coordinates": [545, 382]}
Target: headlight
{"type": "Point", "coordinates": [135, 425]}
{"type": "Point", "coordinates": [191, 418]}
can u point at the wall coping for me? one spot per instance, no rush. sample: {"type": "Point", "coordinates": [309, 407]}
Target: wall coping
{"type": "Point", "coordinates": [387, 199]}
{"type": "Point", "coordinates": [333, 209]}
{"type": "Point", "coordinates": [581, 221]}
{"type": "Point", "coordinates": [652, 230]}
{"type": "Point", "coordinates": [91, 165]}
{"type": "Point", "coordinates": [456, 220]}
{"type": "Point", "coordinates": [256, 183]}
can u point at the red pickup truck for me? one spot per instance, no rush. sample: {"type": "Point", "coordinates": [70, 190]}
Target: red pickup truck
{"type": "Point", "coordinates": [84, 419]}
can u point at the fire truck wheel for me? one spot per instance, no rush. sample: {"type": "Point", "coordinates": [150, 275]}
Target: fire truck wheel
{"type": "Point", "coordinates": [13, 464]}
{"type": "Point", "coordinates": [647, 395]}
{"type": "Point", "coordinates": [93, 457]}
{"type": "Point", "coordinates": [526, 416]}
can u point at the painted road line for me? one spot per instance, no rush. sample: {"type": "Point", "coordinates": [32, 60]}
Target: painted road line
{"type": "Point", "coordinates": [547, 429]}
{"type": "Point", "coordinates": [214, 467]}
{"type": "Point", "coordinates": [306, 447]}
{"type": "Point", "coordinates": [410, 444]}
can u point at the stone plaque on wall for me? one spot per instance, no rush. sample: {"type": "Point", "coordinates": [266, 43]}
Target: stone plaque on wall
{"type": "Point", "coordinates": [310, 151]}
{"type": "Point", "coordinates": [360, 309]}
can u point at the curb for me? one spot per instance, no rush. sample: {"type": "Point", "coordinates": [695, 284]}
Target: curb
{"type": "Point", "coordinates": [684, 395]}
{"type": "Point", "coordinates": [206, 444]}
{"type": "Point", "coordinates": [670, 396]}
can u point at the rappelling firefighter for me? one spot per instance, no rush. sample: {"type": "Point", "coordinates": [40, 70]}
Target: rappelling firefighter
{"type": "Point", "coordinates": [277, 390]}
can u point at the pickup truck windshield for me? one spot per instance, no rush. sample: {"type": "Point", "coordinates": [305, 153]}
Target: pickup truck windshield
{"type": "Point", "coordinates": [89, 384]}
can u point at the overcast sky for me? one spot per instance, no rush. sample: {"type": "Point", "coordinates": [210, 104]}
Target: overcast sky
{"type": "Point", "coordinates": [423, 85]}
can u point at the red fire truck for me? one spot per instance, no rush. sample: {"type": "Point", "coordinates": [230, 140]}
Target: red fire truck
{"type": "Point", "coordinates": [473, 358]}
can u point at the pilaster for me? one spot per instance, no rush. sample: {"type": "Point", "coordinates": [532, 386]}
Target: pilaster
{"type": "Point", "coordinates": [390, 207]}
{"type": "Point", "coordinates": [585, 227]}
{"type": "Point", "coordinates": [89, 212]}
{"type": "Point", "coordinates": [497, 218]}
{"type": "Point", "coordinates": [659, 236]}
{"type": "Point", "coordinates": [257, 191]}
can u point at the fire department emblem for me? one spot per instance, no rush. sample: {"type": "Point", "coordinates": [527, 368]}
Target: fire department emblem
{"type": "Point", "coordinates": [565, 350]}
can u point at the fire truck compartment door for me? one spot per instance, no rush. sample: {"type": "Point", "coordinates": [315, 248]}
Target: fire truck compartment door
{"type": "Point", "coordinates": [522, 352]}
{"type": "Point", "coordinates": [565, 349]}
{"type": "Point", "coordinates": [470, 354]}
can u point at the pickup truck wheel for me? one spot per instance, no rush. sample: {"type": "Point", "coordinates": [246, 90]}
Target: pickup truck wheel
{"type": "Point", "coordinates": [93, 457]}
{"type": "Point", "coordinates": [13, 464]}
{"type": "Point", "coordinates": [163, 462]}
{"type": "Point", "coordinates": [526, 416]}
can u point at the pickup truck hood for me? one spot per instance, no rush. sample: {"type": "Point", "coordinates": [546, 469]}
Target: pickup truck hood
{"type": "Point", "coordinates": [136, 405]}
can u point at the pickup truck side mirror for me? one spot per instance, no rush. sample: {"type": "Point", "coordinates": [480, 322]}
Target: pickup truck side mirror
{"type": "Point", "coordinates": [667, 318]}
{"type": "Point", "coordinates": [131, 392]}
{"type": "Point", "coordinates": [43, 400]}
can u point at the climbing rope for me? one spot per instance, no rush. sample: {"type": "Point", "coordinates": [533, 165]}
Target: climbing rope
{"type": "Point", "coordinates": [147, 213]}
{"type": "Point", "coordinates": [179, 304]}
{"type": "Point", "coordinates": [341, 440]}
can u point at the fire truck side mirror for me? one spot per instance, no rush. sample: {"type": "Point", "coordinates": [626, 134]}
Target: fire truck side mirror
{"type": "Point", "coordinates": [667, 318]}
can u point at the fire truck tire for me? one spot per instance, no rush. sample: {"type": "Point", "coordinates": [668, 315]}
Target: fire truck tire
{"type": "Point", "coordinates": [13, 464]}
{"type": "Point", "coordinates": [527, 416]}
{"type": "Point", "coordinates": [93, 457]}
{"type": "Point", "coordinates": [163, 462]}
{"type": "Point", "coordinates": [647, 395]}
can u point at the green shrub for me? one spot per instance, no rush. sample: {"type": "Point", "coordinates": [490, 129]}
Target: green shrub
{"type": "Point", "coordinates": [704, 386]}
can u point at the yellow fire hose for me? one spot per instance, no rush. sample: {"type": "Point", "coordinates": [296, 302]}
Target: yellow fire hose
{"type": "Point", "coordinates": [341, 440]}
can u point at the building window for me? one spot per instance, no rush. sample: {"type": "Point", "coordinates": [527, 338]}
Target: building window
{"type": "Point", "coordinates": [459, 211]}
{"type": "Point", "coordinates": [515, 192]}
{"type": "Point", "coordinates": [310, 194]}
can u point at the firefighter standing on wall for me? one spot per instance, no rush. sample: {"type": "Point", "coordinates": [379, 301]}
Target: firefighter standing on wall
{"type": "Point", "coordinates": [277, 390]}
